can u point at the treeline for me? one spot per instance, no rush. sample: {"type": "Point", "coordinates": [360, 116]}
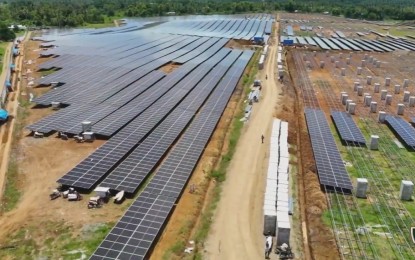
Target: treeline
{"type": "Point", "coordinates": [79, 12]}
{"type": "Point", "coordinates": [5, 33]}
{"type": "Point", "coordinates": [357, 9]}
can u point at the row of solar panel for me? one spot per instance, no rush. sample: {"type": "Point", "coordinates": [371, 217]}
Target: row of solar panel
{"type": "Point", "coordinates": [244, 29]}
{"type": "Point", "coordinates": [134, 48]}
{"type": "Point", "coordinates": [108, 125]}
{"type": "Point", "coordinates": [404, 130]}
{"type": "Point", "coordinates": [355, 44]}
{"type": "Point", "coordinates": [347, 128]}
{"type": "Point", "coordinates": [135, 233]}
{"type": "Point", "coordinates": [131, 171]}
{"type": "Point", "coordinates": [69, 120]}
{"type": "Point", "coordinates": [330, 167]}
{"type": "Point", "coordinates": [86, 175]}
{"type": "Point", "coordinates": [79, 94]}
{"type": "Point", "coordinates": [84, 73]}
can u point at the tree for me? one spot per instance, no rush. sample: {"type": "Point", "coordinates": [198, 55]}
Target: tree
{"type": "Point", "coordinates": [5, 33]}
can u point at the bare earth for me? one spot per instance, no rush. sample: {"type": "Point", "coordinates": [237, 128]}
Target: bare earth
{"type": "Point", "coordinates": [237, 229]}
{"type": "Point", "coordinates": [40, 163]}
{"type": "Point", "coordinates": [4, 131]}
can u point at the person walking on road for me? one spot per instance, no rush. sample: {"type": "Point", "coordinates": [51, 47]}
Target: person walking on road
{"type": "Point", "coordinates": [262, 138]}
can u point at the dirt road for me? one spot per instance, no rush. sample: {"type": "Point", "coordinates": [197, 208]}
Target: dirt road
{"type": "Point", "coordinates": [238, 223]}
{"type": "Point", "coordinates": [11, 107]}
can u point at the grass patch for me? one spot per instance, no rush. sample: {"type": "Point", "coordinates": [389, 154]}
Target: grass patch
{"type": "Point", "coordinates": [400, 32]}
{"type": "Point", "coordinates": [44, 73]}
{"type": "Point", "coordinates": [108, 22]}
{"type": "Point", "coordinates": [3, 46]}
{"type": "Point", "coordinates": [218, 174]}
{"type": "Point", "coordinates": [383, 167]}
{"type": "Point", "coordinates": [57, 242]}
{"type": "Point", "coordinates": [305, 33]}
{"type": "Point", "coordinates": [12, 193]}
{"type": "Point", "coordinates": [98, 25]}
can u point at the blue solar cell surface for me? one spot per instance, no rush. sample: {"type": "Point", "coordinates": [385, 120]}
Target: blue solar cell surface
{"type": "Point", "coordinates": [347, 128]}
{"type": "Point", "coordinates": [136, 232]}
{"type": "Point", "coordinates": [403, 129]}
{"type": "Point", "coordinates": [330, 166]}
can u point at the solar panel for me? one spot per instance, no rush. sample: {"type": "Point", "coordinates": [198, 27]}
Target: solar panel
{"type": "Point", "coordinates": [340, 44]}
{"type": "Point", "coordinates": [347, 128]}
{"type": "Point", "coordinates": [60, 120]}
{"type": "Point", "coordinates": [330, 44]}
{"type": "Point", "coordinates": [321, 43]}
{"type": "Point", "coordinates": [86, 174]}
{"type": "Point", "coordinates": [138, 165]}
{"type": "Point", "coordinates": [330, 166]}
{"type": "Point", "coordinates": [404, 130]}
{"type": "Point", "coordinates": [71, 117]}
{"type": "Point", "coordinates": [113, 122]}
{"type": "Point", "coordinates": [135, 233]}
{"type": "Point", "coordinates": [349, 44]}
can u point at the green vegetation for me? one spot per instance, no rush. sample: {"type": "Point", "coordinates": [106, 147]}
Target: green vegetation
{"type": "Point", "coordinates": [59, 241]}
{"type": "Point", "coordinates": [6, 34]}
{"type": "Point", "coordinates": [12, 193]}
{"type": "Point", "coordinates": [44, 73]}
{"type": "Point", "coordinates": [3, 46]}
{"type": "Point", "coordinates": [79, 12]}
{"type": "Point", "coordinates": [219, 174]}
{"type": "Point", "coordinates": [383, 168]}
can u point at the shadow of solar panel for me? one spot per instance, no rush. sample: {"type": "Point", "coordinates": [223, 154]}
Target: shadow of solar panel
{"type": "Point", "coordinates": [135, 233]}
{"type": "Point", "coordinates": [86, 174]}
{"type": "Point", "coordinates": [330, 166]}
{"type": "Point", "coordinates": [134, 169]}
{"type": "Point", "coordinates": [347, 128]}
{"type": "Point", "coordinates": [403, 129]}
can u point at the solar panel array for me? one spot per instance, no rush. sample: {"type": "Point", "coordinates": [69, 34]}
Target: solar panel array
{"type": "Point", "coordinates": [135, 233]}
{"type": "Point", "coordinates": [138, 165]}
{"type": "Point", "coordinates": [404, 130]}
{"type": "Point", "coordinates": [330, 167]}
{"type": "Point", "coordinates": [155, 116]}
{"type": "Point", "coordinates": [112, 112]}
{"type": "Point", "coordinates": [356, 44]}
{"type": "Point", "coordinates": [87, 173]}
{"type": "Point", "coordinates": [347, 128]}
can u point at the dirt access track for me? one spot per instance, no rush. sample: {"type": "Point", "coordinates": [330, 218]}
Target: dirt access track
{"type": "Point", "coordinates": [237, 229]}
{"type": "Point", "coordinates": [236, 232]}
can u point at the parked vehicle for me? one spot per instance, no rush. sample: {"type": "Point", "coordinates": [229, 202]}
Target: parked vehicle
{"type": "Point", "coordinates": [95, 202]}
{"type": "Point", "coordinates": [103, 193]}
{"type": "Point", "coordinates": [72, 195]}
{"type": "Point", "coordinates": [55, 194]}
{"type": "Point", "coordinates": [284, 251]}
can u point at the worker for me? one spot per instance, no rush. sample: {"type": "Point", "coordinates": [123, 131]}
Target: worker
{"type": "Point", "coordinates": [262, 138]}
{"type": "Point", "coordinates": [268, 246]}
{"type": "Point", "coordinates": [266, 76]}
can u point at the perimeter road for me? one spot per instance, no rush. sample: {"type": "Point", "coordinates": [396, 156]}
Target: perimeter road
{"type": "Point", "coordinates": [238, 223]}
{"type": "Point", "coordinates": [11, 107]}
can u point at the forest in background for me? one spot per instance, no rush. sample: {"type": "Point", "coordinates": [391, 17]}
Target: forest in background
{"type": "Point", "coordinates": [73, 13]}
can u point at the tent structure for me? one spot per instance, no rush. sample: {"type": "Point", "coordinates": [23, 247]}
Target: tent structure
{"type": "Point", "coordinates": [3, 115]}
